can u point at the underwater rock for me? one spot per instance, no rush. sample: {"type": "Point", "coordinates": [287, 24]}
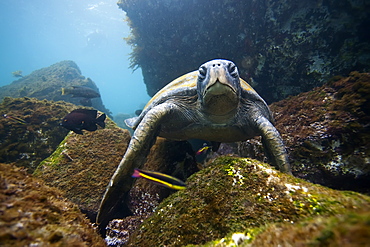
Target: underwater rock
{"type": "Point", "coordinates": [33, 214]}
{"type": "Point", "coordinates": [281, 47]}
{"type": "Point", "coordinates": [327, 132]}
{"type": "Point", "coordinates": [31, 130]}
{"type": "Point", "coordinates": [47, 83]}
{"type": "Point", "coordinates": [82, 165]}
{"type": "Point", "coordinates": [239, 195]}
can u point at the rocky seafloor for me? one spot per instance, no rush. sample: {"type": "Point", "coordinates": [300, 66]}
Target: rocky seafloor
{"type": "Point", "coordinates": [229, 200]}
{"type": "Point", "coordinates": [34, 214]}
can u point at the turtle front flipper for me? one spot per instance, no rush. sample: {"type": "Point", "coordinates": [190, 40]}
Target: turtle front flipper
{"type": "Point", "coordinates": [273, 144]}
{"type": "Point", "coordinates": [139, 147]}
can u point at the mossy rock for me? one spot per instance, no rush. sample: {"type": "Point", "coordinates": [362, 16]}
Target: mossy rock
{"type": "Point", "coordinates": [327, 132]}
{"type": "Point", "coordinates": [352, 229]}
{"type": "Point", "coordinates": [82, 165]}
{"type": "Point", "coordinates": [239, 195]}
{"type": "Point", "coordinates": [33, 214]}
{"type": "Point", "coordinates": [28, 143]}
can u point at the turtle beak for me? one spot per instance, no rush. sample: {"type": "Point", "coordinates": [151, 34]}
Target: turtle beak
{"type": "Point", "coordinates": [219, 81]}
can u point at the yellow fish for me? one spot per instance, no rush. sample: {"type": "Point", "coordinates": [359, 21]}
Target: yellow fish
{"type": "Point", "coordinates": [160, 179]}
{"type": "Point", "coordinates": [203, 149]}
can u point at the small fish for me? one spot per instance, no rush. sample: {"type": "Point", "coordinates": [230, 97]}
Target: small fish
{"type": "Point", "coordinates": [160, 179]}
{"type": "Point", "coordinates": [17, 73]}
{"type": "Point", "coordinates": [15, 119]}
{"type": "Point", "coordinates": [80, 119]}
{"type": "Point", "coordinates": [203, 149]}
{"type": "Point", "coordinates": [80, 91]}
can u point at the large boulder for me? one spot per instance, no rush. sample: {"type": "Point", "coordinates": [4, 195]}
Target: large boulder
{"type": "Point", "coordinates": [281, 47]}
{"type": "Point", "coordinates": [327, 132]}
{"type": "Point", "coordinates": [47, 83]}
{"type": "Point", "coordinates": [239, 195]}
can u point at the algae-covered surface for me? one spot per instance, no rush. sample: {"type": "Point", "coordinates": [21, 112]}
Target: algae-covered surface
{"type": "Point", "coordinates": [82, 165]}
{"type": "Point", "coordinates": [240, 195]}
{"type": "Point", "coordinates": [352, 229]}
{"type": "Point", "coordinates": [30, 130]}
{"type": "Point", "coordinates": [33, 214]}
{"type": "Point", "coordinates": [327, 132]}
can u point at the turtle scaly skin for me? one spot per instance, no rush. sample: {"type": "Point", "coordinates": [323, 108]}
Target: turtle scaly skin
{"type": "Point", "coordinates": [212, 104]}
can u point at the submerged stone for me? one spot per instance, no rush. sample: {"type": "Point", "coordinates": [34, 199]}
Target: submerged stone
{"type": "Point", "coordinates": [47, 83]}
{"type": "Point", "coordinates": [239, 195]}
{"type": "Point", "coordinates": [33, 214]}
{"type": "Point", "coordinates": [82, 165]}
{"type": "Point", "coordinates": [327, 132]}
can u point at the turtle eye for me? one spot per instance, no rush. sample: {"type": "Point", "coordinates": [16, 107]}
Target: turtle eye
{"type": "Point", "coordinates": [202, 72]}
{"type": "Point", "coordinates": [233, 70]}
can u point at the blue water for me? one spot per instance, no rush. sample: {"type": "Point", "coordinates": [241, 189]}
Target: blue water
{"type": "Point", "coordinates": [39, 33]}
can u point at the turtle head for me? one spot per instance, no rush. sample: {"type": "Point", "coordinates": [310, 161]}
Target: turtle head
{"type": "Point", "coordinates": [218, 87]}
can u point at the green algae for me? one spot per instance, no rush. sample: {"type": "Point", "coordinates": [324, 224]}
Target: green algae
{"type": "Point", "coordinates": [239, 195]}
{"type": "Point", "coordinates": [347, 229]}
{"type": "Point", "coordinates": [54, 159]}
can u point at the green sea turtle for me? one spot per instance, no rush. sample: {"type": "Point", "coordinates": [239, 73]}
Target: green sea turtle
{"type": "Point", "coordinates": [213, 104]}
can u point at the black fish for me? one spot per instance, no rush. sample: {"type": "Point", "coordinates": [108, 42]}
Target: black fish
{"type": "Point", "coordinates": [80, 119]}
{"type": "Point", "coordinates": [80, 91]}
